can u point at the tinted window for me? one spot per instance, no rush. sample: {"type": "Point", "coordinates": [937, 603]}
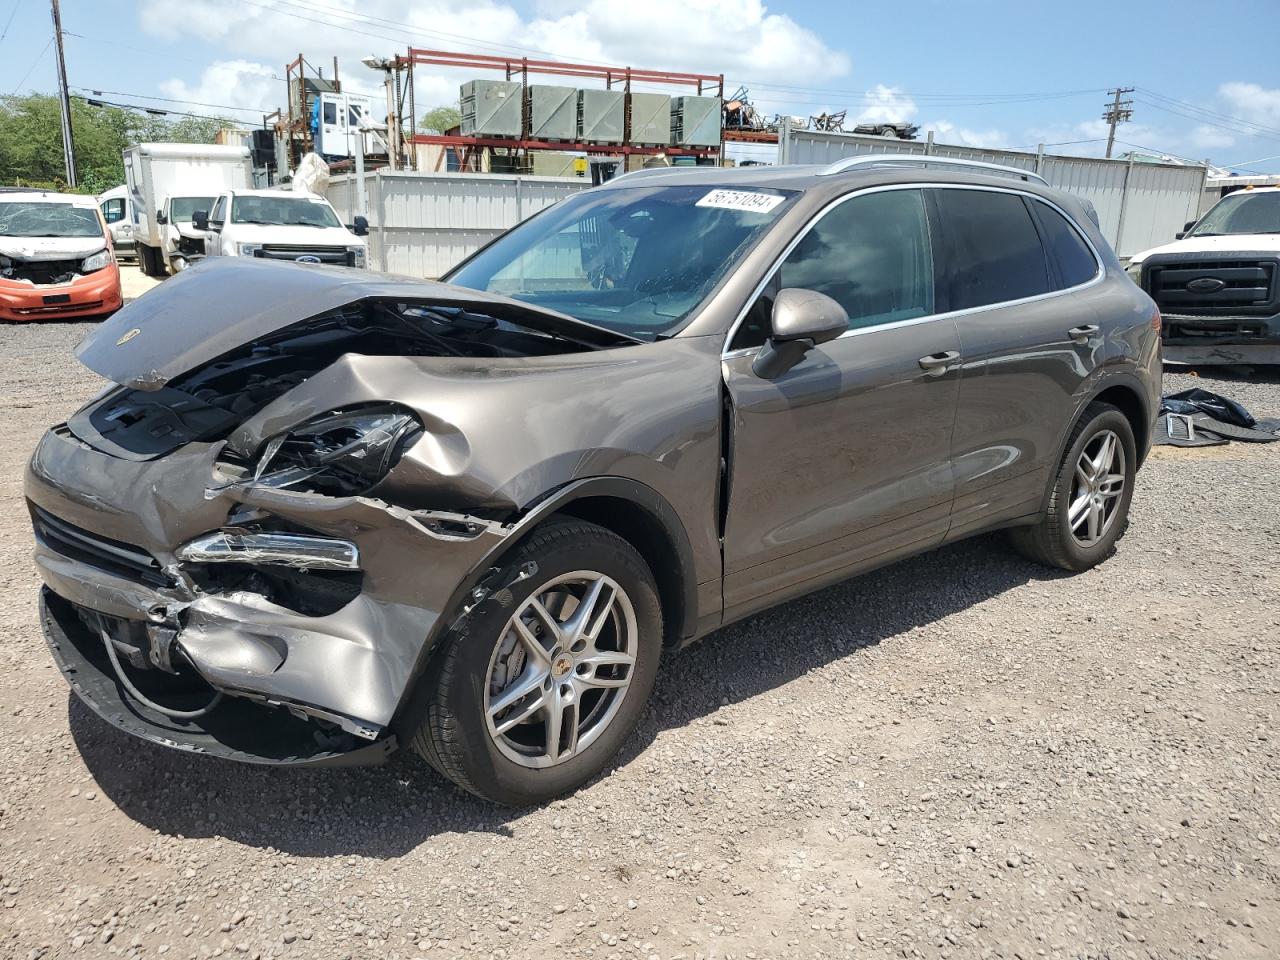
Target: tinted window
{"type": "Point", "coordinates": [330, 113]}
{"type": "Point", "coordinates": [996, 254]}
{"type": "Point", "coordinates": [1066, 247]}
{"type": "Point", "coordinates": [113, 210]}
{"type": "Point", "coordinates": [870, 254]}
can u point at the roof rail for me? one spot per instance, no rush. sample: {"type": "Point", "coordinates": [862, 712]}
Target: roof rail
{"type": "Point", "coordinates": [887, 159]}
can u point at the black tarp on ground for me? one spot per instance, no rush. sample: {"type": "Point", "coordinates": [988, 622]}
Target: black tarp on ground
{"type": "Point", "coordinates": [1198, 418]}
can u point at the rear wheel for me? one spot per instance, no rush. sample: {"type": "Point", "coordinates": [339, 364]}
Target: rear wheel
{"type": "Point", "coordinates": [1089, 503]}
{"type": "Point", "coordinates": [536, 695]}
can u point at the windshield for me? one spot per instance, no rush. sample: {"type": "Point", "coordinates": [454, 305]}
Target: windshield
{"type": "Point", "coordinates": [635, 260]}
{"type": "Point", "coordinates": [19, 219]}
{"type": "Point", "coordinates": [181, 208]}
{"type": "Point", "coordinates": [1241, 212]}
{"type": "Point", "coordinates": [288, 211]}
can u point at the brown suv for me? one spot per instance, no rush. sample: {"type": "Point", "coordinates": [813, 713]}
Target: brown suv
{"type": "Point", "coordinates": [324, 512]}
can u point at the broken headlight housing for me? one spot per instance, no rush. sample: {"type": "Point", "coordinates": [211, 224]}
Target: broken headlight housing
{"type": "Point", "coordinates": [343, 453]}
{"type": "Point", "coordinates": [95, 262]}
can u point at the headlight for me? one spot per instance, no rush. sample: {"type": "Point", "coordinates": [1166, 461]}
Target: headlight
{"type": "Point", "coordinates": [248, 249]}
{"type": "Point", "coordinates": [1134, 270]}
{"type": "Point", "coordinates": [343, 453]}
{"type": "Point", "coordinates": [95, 262]}
{"type": "Point", "coordinates": [357, 256]}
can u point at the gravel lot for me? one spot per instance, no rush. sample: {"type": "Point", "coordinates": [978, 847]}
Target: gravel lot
{"type": "Point", "coordinates": [963, 755]}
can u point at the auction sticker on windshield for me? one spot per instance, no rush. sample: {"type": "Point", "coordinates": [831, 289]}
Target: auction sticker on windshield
{"type": "Point", "coordinates": [741, 200]}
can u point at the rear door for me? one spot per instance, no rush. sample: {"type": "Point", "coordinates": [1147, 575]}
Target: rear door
{"type": "Point", "coordinates": [1017, 274]}
{"type": "Point", "coordinates": [844, 459]}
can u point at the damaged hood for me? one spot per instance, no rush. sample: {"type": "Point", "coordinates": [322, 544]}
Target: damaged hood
{"type": "Point", "coordinates": [224, 302]}
{"type": "Point", "coordinates": [50, 248]}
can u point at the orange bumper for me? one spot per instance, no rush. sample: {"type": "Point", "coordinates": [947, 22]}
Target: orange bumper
{"type": "Point", "coordinates": [91, 295]}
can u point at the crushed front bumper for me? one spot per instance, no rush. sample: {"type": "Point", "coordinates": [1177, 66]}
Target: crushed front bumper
{"type": "Point", "coordinates": [108, 536]}
{"type": "Point", "coordinates": [90, 295]}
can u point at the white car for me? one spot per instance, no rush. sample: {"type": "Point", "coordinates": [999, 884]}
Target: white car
{"type": "Point", "coordinates": [1218, 284]}
{"type": "Point", "coordinates": [281, 225]}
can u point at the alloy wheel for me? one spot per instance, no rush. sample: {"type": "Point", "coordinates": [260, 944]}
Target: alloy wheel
{"type": "Point", "coordinates": [560, 669]}
{"type": "Point", "coordinates": [1097, 488]}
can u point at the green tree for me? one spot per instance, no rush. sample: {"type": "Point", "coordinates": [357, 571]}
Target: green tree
{"type": "Point", "coordinates": [441, 119]}
{"type": "Point", "coordinates": [31, 140]}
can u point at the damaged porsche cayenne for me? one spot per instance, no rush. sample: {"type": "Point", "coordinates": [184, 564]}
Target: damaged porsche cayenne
{"type": "Point", "coordinates": [322, 513]}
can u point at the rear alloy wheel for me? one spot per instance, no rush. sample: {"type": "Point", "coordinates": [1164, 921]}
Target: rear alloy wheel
{"type": "Point", "coordinates": [1089, 503]}
{"type": "Point", "coordinates": [539, 689]}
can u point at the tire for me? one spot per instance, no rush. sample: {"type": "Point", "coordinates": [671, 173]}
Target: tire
{"type": "Point", "coordinates": [1052, 541]}
{"type": "Point", "coordinates": [148, 261]}
{"type": "Point", "coordinates": [459, 734]}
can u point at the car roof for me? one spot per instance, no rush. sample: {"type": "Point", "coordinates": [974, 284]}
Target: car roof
{"type": "Point", "coordinates": [304, 194]}
{"type": "Point", "coordinates": [47, 196]}
{"type": "Point", "coordinates": [812, 178]}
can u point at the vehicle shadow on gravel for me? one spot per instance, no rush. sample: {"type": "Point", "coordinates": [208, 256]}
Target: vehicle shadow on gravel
{"type": "Point", "coordinates": [387, 811]}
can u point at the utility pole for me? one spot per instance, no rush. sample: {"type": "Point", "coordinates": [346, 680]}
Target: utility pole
{"type": "Point", "coordinates": [68, 147]}
{"type": "Point", "coordinates": [1117, 111]}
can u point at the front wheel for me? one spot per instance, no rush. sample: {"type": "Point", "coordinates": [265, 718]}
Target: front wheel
{"type": "Point", "coordinates": [1089, 503]}
{"type": "Point", "coordinates": [536, 695]}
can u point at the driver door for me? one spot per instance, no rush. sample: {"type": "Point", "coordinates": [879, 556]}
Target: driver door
{"type": "Point", "coordinates": [843, 462]}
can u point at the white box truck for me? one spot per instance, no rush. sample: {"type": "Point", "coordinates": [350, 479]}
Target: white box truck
{"type": "Point", "coordinates": [167, 183]}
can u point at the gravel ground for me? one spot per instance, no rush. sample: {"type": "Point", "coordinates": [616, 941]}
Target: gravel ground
{"type": "Point", "coordinates": [963, 755]}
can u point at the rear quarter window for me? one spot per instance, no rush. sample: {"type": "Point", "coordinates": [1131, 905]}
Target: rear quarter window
{"type": "Point", "coordinates": [995, 254]}
{"type": "Point", "coordinates": [1067, 250]}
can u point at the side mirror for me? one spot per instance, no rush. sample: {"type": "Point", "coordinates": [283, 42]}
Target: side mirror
{"type": "Point", "coordinates": [360, 226]}
{"type": "Point", "coordinates": [1185, 227]}
{"type": "Point", "coordinates": [200, 219]}
{"type": "Point", "coordinates": [161, 218]}
{"type": "Point", "coordinates": [802, 319]}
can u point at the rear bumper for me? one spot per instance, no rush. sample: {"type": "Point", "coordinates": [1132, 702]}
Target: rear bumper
{"type": "Point", "coordinates": [91, 295]}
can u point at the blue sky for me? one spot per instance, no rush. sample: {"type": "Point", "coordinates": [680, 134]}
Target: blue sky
{"type": "Point", "coordinates": [985, 72]}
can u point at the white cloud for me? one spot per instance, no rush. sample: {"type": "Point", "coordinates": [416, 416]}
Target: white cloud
{"type": "Point", "coordinates": [1252, 102]}
{"type": "Point", "coordinates": [887, 105]}
{"type": "Point", "coordinates": [234, 83]}
{"type": "Point", "coordinates": [1211, 138]}
{"type": "Point", "coordinates": [736, 37]}
{"type": "Point", "coordinates": [946, 132]}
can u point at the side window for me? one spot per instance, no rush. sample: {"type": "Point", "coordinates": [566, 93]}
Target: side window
{"type": "Point", "coordinates": [330, 113]}
{"type": "Point", "coordinates": [996, 255]}
{"type": "Point", "coordinates": [871, 254]}
{"type": "Point", "coordinates": [113, 210]}
{"type": "Point", "coordinates": [218, 213]}
{"type": "Point", "coordinates": [1067, 249]}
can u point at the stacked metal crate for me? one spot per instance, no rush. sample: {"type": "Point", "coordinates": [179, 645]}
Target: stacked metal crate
{"type": "Point", "coordinates": [601, 116]}
{"type": "Point", "coordinates": [553, 112]}
{"type": "Point", "coordinates": [650, 119]}
{"type": "Point", "coordinates": [695, 121]}
{"type": "Point", "coordinates": [492, 108]}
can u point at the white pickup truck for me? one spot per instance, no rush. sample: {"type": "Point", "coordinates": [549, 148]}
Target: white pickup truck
{"type": "Point", "coordinates": [281, 225]}
{"type": "Point", "coordinates": [1218, 284]}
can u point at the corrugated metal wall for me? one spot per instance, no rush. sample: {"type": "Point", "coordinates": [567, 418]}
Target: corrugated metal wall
{"type": "Point", "coordinates": [1140, 205]}
{"type": "Point", "coordinates": [421, 224]}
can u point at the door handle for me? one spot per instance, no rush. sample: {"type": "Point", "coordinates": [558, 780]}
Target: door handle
{"type": "Point", "coordinates": [936, 364]}
{"type": "Point", "coordinates": [1082, 334]}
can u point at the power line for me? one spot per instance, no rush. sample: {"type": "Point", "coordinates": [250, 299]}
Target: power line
{"type": "Point", "coordinates": [153, 111]}
{"type": "Point", "coordinates": [8, 23]}
{"type": "Point", "coordinates": [143, 96]}
{"type": "Point", "coordinates": [1206, 112]}
{"type": "Point", "coordinates": [39, 57]}
{"type": "Point", "coordinates": [1242, 128]}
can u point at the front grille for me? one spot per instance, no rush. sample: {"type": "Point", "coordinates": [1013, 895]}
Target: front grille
{"type": "Point", "coordinates": [56, 308]}
{"type": "Point", "coordinates": [111, 556]}
{"type": "Point", "coordinates": [1247, 287]}
{"type": "Point", "coordinates": [280, 251]}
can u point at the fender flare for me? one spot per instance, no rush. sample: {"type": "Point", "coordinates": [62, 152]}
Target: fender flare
{"type": "Point", "coordinates": [1115, 378]}
{"type": "Point", "coordinates": [412, 704]}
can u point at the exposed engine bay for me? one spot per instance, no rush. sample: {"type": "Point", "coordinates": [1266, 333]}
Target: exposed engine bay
{"type": "Point", "coordinates": [207, 403]}
{"type": "Point", "coordinates": [39, 272]}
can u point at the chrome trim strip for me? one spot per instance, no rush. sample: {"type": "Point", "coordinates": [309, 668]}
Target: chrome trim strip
{"type": "Point", "coordinates": [888, 159]}
{"type": "Point", "coordinates": [726, 354]}
{"type": "Point", "coordinates": [302, 551]}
